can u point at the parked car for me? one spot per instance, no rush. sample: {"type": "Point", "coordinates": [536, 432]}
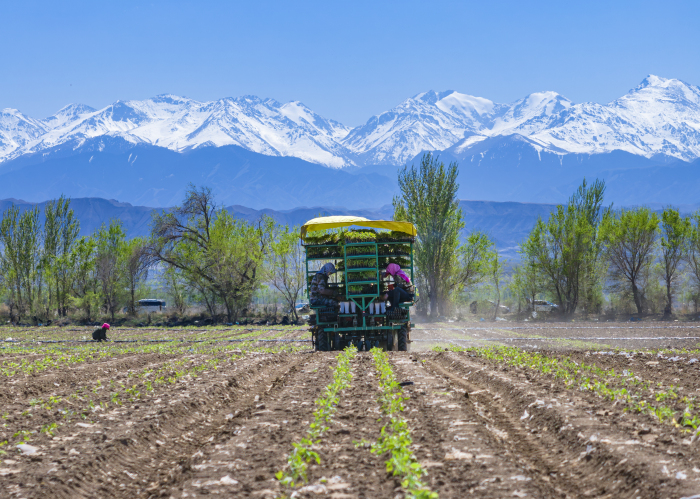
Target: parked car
{"type": "Point", "coordinates": [542, 306]}
{"type": "Point", "coordinates": [301, 308]}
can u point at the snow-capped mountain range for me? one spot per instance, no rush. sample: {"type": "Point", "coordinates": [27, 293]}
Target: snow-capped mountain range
{"type": "Point", "coordinates": [659, 117]}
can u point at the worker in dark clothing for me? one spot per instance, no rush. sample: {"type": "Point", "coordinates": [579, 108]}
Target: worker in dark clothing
{"type": "Point", "coordinates": [100, 334]}
{"type": "Point", "coordinates": [319, 292]}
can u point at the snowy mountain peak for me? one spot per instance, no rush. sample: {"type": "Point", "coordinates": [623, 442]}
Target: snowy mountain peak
{"type": "Point", "coordinates": [67, 114]}
{"type": "Point", "coordinates": [659, 116]}
{"type": "Point", "coordinates": [16, 131]}
{"type": "Point", "coordinates": [169, 99]}
{"type": "Point", "coordinates": [652, 81]}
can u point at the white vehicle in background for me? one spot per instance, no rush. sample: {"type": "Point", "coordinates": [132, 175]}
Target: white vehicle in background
{"type": "Point", "coordinates": [542, 306]}
{"type": "Point", "coordinates": [150, 305]}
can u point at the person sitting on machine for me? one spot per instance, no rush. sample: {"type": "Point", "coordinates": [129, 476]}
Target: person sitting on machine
{"type": "Point", "coordinates": [403, 290]}
{"type": "Point", "coordinates": [319, 292]}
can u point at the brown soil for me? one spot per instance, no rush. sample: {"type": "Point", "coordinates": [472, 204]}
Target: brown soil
{"type": "Point", "coordinates": [479, 429]}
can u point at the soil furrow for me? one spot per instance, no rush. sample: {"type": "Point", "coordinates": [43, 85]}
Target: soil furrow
{"type": "Point", "coordinates": [586, 446]}
{"type": "Point", "coordinates": [463, 455]}
{"type": "Point", "coordinates": [242, 459]}
{"type": "Point", "coordinates": [121, 452]}
{"type": "Point", "coordinates": [19, 390]}
{"type": "Point", "coordinates": [346, 469]}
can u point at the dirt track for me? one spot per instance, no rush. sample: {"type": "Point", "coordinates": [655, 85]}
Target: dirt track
{"type": "Point", "coordinates": [481, 427]}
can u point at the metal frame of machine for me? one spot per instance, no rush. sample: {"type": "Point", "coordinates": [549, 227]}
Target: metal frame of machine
{"type": "Point", "coordinates": [363, 328]}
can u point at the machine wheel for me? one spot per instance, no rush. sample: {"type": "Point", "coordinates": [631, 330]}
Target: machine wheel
{"type": "Point", "coordinates": [322, 341]}
{"type": "Point", "coordinates": [336, 341]}
{"type": "Point", "coordinates": [403, 340]}
{"type": "Point", "coordinates": [390, 341]}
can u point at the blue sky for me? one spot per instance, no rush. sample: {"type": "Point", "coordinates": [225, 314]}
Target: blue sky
{"type": "Point", "coordinates": [345, 60]}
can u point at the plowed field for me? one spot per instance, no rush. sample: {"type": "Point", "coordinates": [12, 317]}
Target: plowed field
{"type": "Point", "coordinates": [486, 410]}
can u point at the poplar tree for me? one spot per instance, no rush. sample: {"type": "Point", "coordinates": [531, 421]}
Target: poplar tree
{"type": "Point", "coordinates": [429, 200]}
{"type": "Point", "coordinates": [110, 267]}
{"type": "Point", "coordinates": [675, 232]}
{"type": "Point", "coordinates": [693, 253]}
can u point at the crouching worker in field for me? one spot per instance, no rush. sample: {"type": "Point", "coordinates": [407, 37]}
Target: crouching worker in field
{"type": "Point", "coordinates": [319, 292]}
{"type": "Point", "coordinates": [100, 334]}
{"type": "Point", "coordinates": [403, 287]}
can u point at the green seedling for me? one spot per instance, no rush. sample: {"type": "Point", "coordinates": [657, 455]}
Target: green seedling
{"type": "Point", "coordinates": [395, 438]}
{"type": "Point", "coordinates": [326, 406]}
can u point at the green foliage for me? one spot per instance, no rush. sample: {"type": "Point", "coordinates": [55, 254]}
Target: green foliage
{"type": "Point", "coordinates": [61, 230]}
{"type": "Point", "coordinates": [111, 247]}
{"type": "Point", "coordinates": [475, 261]}
{"type": "Point", "coordinates": [395, 438]}
{"type": "Point", "coordinates": [85, 294]}
{"type": "Point", "coordinates": [675, 233]}
{"type": "Point", "coordinates": [286, 265]}
{"type": "Point", "coordinates": [220, 257]}
{"type": "Point", "coordinates": [429, 200]}
{"type": "Point", "coordinates": [566, 250]}
{"type": "Point", "coordinates": [629, 238]}
{"type": "Point", "coordinates": [20, 260]}
{"type": "Point", "coordinates": [693, 252]}
{"type": "Point", "coordinates": [326, 407]}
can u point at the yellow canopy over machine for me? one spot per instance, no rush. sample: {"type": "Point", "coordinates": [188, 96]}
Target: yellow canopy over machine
{"type": "Point", "coordinates": [323, 223]}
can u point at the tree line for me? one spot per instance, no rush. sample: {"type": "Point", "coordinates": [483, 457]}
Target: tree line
{"type": "Point", "coordinates": [581, 251]}
{"type": "Point", "coordinates": [199, 251]}
{"type": "Point", "coordinates": [202, 254]}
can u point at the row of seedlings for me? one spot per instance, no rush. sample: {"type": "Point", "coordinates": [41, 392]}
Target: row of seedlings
{"type": "Point", "coordinates": [86, 401]}
{"type": "Point", "coordinates": [624, 387]}
{"type": "Point", "coordinates": [326, 406]}
{"type": "Point", "coordinates": [395, 437]}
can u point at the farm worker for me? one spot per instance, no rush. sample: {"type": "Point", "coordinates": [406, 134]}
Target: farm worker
{"type": "Point", "coordinates": [100, 334]}
{"type": "Point", "coordinates": [403, 290]}
{"type": "Point", "coordinates": [319, 292]}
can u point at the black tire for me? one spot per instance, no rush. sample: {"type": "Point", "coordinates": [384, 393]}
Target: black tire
{"type": "Point", "coordinates": [403, 340]}
{"type": "Point", "coordinates": [322, 341]}
{"type": "Point", "coordinates": [336, 341]}
{"type": "Point", "coordinates": [390, 340]}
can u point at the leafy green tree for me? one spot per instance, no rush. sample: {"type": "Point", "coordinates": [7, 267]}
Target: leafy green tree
{"type": "Point", "coordinates": [675, 234]}
{"type": "Point", "coordinates": [61, 230]}
{"type": "Point", "coordinates": [110, 264]}
{"type": "Point", "coordinates": [566, 249]}
{"type": "Point", "coordinates": [693, 253]}
{"type": "Point", "coordinates": [287, 266]}
{"type": "Point", "coordinates": [216, 254]}
{"type": "Point", "coordinates": [429, 200]}
{"type": "Point", "coordinates": [629, 238]}
{"type": "Point", "coordinates": [20, 238]}
{"type": "Point", "coordinates": [85, 292]}
{"type": "Point", "coordinates": [528, 280]}
{"type": "Point", "coordinates": [473, 260]}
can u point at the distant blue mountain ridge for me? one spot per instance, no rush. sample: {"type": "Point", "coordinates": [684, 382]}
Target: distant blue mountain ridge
{"type": "Point", "coordinates": [502, 168]}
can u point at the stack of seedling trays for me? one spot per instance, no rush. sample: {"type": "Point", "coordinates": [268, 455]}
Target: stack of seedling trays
{"type": "Point", "coordinates": [359, 256]}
